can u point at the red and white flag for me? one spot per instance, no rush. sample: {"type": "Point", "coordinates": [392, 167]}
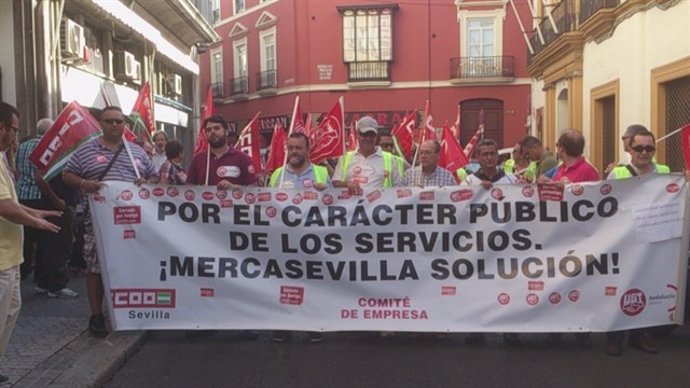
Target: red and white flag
{"type": "Point", "coordinates": [404, 135]}
{"type": "Point", "coordinates": [276, 153]}
{"type": "Point", "coordinates": [201, 141]}
{"type": "Point", "coordinates": [685, 141]}
{"type": "Point", "coordinates": [73, 126]}
{"type": "Point", "coordinates": [452, 156]}
{"type": "Point", "coordinates": [328, 139]}
{"type": "Point", "coordinates": [297, 119]}
{"type": "Point", "coordinates": [455, 129]}
{"type": "Point", "coordinates": [469, 148]}
{"type": "Point", "coordinates": [248, 142]}
{"type": "Point", "coordinates": [352, 140]}
{"type": "Point", "coordinates": [142, 113]}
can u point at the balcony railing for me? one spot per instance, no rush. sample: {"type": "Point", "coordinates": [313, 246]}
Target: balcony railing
{"type": "Point", "coordinates": [482, 67]}
{"type": "Point", "coordinates": [568, 17]}
{"type": "Point", "coordinates": [368, 71]}
{"type": "Point", "coordinates": [266, 80]}
{"type": "Point", "coordinates": [238, 86]}
{"type": "Point", "coordinates": [217, 89]}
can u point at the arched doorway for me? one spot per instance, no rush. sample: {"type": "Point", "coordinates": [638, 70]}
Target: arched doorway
{"type": "Point", "coordinates": [562, 114]}
{"type": "Point", "coordinates": [493, 119]}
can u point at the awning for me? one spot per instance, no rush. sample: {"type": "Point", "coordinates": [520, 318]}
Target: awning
{"type": "Point", "coordinates": [120, 11]}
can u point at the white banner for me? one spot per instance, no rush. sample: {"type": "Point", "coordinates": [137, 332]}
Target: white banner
{"type": "Point", "coordinates": [524, 258]}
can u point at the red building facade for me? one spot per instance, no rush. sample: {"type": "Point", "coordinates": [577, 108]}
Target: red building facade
{"type": "Point", "coordinates": [385, 58]}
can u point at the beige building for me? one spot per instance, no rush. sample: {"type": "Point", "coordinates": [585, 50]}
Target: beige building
{"type": "Point", "coordinates": [606, 64]}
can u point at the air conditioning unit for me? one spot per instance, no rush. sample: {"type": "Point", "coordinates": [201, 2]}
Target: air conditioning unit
{"type": "Point", "coordinates": [174, 82]}
{"type": "Point", "coordinates": [126, 67]}
{"type": "Point", "coordinates": [71, 40]}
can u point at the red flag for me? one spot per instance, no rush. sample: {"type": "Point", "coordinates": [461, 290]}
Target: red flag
{"type": "Point", "coordinates": [299, 121]}
{"type": "Point", "coordinates": [201, 141]}
{"type": "Point", "coordinates": [469, 148]}
{"type": "Point", "coordinates": [248, 143]}
{"type": "Point", "coordinates": [328, 139]}
{"type": "Point", "coordinates": [307, 126]}
{"type": "Point", "coordinates": [142, 112]}
{"type": "Point", "coordinates": [430, 130]}
{"type": "Point", "coordinates": [455, 129]}
{"type": "Point", "coordinates": [352, 141]}
{"type": "Point", "coordinates": [276, 153]}
{"type": "Point", "coordinates": [685, 140]}
{"type": "Point", "coordinates": [404, 134]}
{"type": "Point", "coordinates": [129, 135]}
{"type": "Point", "coordinates": [73, 126]}
{"type": "Point", "coordinates": [452, 156]}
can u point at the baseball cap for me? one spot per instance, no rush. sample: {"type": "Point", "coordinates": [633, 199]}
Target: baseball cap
{"type": "Point", "coordinates": [367, 124]}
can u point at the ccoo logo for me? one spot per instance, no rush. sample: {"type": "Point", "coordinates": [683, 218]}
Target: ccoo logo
{"type": "Point", "coordinates": [633, 302]}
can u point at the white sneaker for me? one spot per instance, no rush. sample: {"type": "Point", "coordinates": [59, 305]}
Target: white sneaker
{"type": "Point", "coordinates": [40, 290]}
{"type": "Point", "coordinates": [64, 293]}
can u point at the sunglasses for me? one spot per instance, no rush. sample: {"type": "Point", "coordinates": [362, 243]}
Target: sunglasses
{"type": "Point", "coordinates": [640, 148]}
{"type": "Point", "coordinates": [367, 134]}
{"type": "Point", "coordinates": [114, 121]}
{"type": "Point", "coordinates": [386, 145]}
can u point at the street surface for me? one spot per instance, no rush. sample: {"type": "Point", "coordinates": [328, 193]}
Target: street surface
{"type": "Point", "coordinates": [226, 359]}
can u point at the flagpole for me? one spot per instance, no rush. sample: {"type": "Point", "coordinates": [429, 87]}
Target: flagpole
{"type": "Point", "coordinates": [292, 126]}
{"type": "Point", "coordinates": [342, 125]}
{"type": "Point", "coordinates": [131, 158]}
{"type": "Point", "coordinates": [416, 151]}
{"type": "Point", "coordinates": [208, 162]}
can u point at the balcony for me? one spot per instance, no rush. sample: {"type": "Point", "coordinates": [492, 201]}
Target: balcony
{"type": "Point", "coordinates": [568, 15]}
{"type": "Point", "coordinates": [374, 71]}
{"type": "Point", "coordinates": [481, 69]}
{"type": "Point", "coordinates": [239, 87]}
{"type": "Point", "coordinates": [266, 82]}
{"type": "Point", "coordinates": [217, 90]}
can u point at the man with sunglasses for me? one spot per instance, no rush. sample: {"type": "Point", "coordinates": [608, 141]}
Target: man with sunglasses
{"type": "Point", "coordinates": [369, 167]}
{"type": "Point", "coordinates": [642, 150]}
{"type": "Point", "coordinates": [12, 216]}
{"type": "Point", "coordinates": [104, 158]}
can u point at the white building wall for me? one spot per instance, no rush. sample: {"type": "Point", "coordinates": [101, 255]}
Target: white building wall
{"type": "Point", "coordinates": [639, 44]}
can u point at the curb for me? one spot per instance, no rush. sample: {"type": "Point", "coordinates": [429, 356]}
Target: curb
{"type": "Point", "coordinates": [85, 362]}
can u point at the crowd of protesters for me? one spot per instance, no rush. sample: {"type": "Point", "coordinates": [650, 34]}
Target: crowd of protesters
{"type": "Point", "coordinates": [58, 233]}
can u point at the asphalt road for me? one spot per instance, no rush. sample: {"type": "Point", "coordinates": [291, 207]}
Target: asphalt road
{"type": "Point", "coordinates": [226, 359]}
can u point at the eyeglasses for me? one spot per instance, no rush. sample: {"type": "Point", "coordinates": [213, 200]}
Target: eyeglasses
{"type": "Point", "coordinates": [114, 121]}
{"type": "Point", "coordinates": [640, 148]}
{"type": "Point", "coordinates": [367, 134]}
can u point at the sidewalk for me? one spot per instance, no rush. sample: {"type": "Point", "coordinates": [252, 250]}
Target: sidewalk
{"type": "Point", "coordinates": [51, 347]}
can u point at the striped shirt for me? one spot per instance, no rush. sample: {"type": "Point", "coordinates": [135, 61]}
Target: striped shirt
{"type": "Point", "coordinates": [90, 160]}
{"type": "Point", "coordinates": [26, 185]}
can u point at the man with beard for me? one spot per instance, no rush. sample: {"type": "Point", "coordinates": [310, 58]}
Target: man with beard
{"type": "Point", "coordinates": [225, 166]}
{"type": "Point", "coordinates": [299, 173]}
{"type": "Point", "coordinates": [12, 216]}
{"type": "Point", "coordinates": [158, 153]}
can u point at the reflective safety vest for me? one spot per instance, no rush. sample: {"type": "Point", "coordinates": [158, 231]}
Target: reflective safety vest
{"type": "Point", "coordinates": [528, 173]}
{"type": "Point", "coordinates": [320, 175]}
{"type": "Point", "coordinates": [387, 166]}
{"type": "Point", "coordinates": [623, 172]}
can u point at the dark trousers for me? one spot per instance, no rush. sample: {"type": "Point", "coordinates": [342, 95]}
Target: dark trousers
{"type": "Point", "coordinates": [53, 252]}
{"type": "Point", "coordinates": [619, 336]}
{"type": "Point", "coordinates": [31, 239]}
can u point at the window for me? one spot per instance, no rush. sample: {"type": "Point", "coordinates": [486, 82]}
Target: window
{"type": "Point", "coordinates": [239, 6]}
{"type": "Point", "coordinates": [267, 77]}
{"type": "Point", "coordinates": [240, 70]}
{"type": "Point", "coordinates": [480, 37]}
{"type": "Point", "coordinates": [481, 44]}
{"type": "Point", "coordinates": [217, 72]}
{"type": "Point", "coordinates": [215, 11]}
{"type": "Point", "coordinates": [368, 42]}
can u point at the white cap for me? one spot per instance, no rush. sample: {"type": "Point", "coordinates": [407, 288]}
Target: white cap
{"type": "Point", "coordinates": [367, 124]}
